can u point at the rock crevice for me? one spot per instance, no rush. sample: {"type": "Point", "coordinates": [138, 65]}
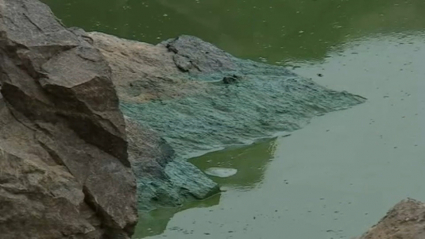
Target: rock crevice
{"type": "Point", "coordinates": [65, 169]}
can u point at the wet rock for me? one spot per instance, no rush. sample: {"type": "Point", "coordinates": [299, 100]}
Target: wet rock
{"type": "Point", "coordinates": [221, 172]}
{"type": "Point", "coordinates": [176, 90]}
{"type": "Point", "coordinates": [405, 221]}
{"type": "Point", "coordinates": [231, 79]}
{"type": "Point", "coordinates": [162, 179]}
{"type": "Point", "coordinates": [64, 165]}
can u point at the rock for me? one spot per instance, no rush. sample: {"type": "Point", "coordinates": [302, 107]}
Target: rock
{"type": "Point", "coordinates": [221, 172]}
{"type": "Point", "coordinates": [405, 221]}
{"type": "Point", "coordinates": [64, 165]}
{"type": "Point", "coordinates": [231, 79]}
{"type": "Point", "coordinates": [163, 180]}
{"type": "Point", "coordinates": [193, 113]}
{"type": "Point", "coordinates": [197, 98]}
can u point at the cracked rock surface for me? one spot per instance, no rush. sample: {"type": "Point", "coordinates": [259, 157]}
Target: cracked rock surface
{"type": "Point", "coordinates": [64, 168]}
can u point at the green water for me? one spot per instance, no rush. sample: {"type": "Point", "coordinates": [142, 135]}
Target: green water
{"type": "Point", "coordinates": [278, 30]}
{"type": "Point", "coordinates": [251, 161]}
{"type": "Point", "coordinates": [332, 179]}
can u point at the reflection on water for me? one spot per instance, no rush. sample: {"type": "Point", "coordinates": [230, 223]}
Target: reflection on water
{"type": "Point", "coordinates": [155, 222]}
{"type": "Point", "coordinates": [250, 161]}
{"type": "Point", "coordinates": [280, 31]}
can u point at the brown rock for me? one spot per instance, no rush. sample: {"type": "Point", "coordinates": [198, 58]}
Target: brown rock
{"type": "Point", "coordinates": [143, 72]}
{"type": "Point", "coordinates": [63, 148]}
{"type": "Point", "coordinates": [405, 221]}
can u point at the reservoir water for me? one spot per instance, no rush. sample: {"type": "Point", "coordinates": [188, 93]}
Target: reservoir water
{"type": "Point", "coordinates": [332, 179]}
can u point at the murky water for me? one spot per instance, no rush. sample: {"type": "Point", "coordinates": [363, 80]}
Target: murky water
{"type": "Point", "coordinates": [339, 175]}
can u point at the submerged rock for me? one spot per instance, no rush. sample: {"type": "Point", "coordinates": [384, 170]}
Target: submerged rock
{"type": "Point", "coordinates": [405, 221]}
{"type": "Point", "coordinates": [221, 172]}
{"type": "Point", "coordinates": [64, 168]}
{"type": "Point", "coordinates": [198, 98]}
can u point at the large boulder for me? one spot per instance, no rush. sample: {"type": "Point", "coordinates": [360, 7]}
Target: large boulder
{"type": "Point", "coordinates": [64, 168]}
{"type": "Point", "coordinates": [405, 221]}
{"type": "Point", "coordinates": [190, 97]}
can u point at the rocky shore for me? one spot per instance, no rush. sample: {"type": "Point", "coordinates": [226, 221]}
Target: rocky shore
{"type": "Point", "coordinates": [68, 153]}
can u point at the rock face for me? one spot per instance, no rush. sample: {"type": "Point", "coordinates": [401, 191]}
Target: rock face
{"type": "Point", "coordinates": [405, 221]}
{"type": "Point", "coordinates": [194, 98]}
{"type": "Point", "coordinates": [64, 168]}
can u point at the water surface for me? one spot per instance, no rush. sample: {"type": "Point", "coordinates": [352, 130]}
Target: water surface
{"type": "Point", "coordinates": [339, 175]}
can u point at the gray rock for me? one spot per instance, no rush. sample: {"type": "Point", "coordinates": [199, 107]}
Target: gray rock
{"type": "Point", "coordinates": [64, 165]}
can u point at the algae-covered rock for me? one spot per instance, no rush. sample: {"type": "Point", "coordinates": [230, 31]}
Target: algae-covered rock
{"type": "Point", "coordinates": [198, 98]}
{"type": "Point", "coordinates": [162, 179]}
{"type": "Point", "coordinates": [194, 109]}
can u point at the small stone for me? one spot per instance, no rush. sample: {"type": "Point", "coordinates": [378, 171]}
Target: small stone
{"type": "Point", "coordinates": [221, 172]}
{"type": "Point", "coordinates": [231, 79]}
